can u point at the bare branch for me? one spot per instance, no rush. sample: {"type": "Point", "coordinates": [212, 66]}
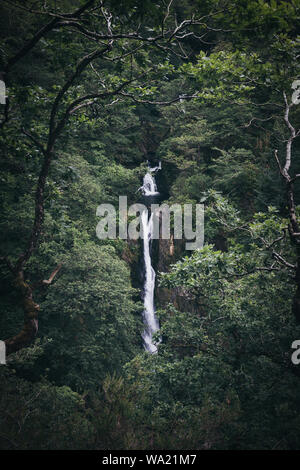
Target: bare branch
{"type": "Point", "coordinates": [281, 260]}
{"type": "Point", "coordinates": [278, 162]}
{"type": "Point", "coordinates": [159, 103]}
{"type": "Point", "coordinates": [166, 15]}
{"type": "Point", "coordinates": [52, 276]}
{"type": "Point", "coordinates": [41, 33]}
{"type": "Point", "coordinates": [294, 227]}
{"type": "Point", "coordinates": [34, 140]}
{"type": "Point", "coordinates": [31, 309]}
{"type": "Point", "coordinates": [257, 119]}
{"type": "Point", "coordinates": [84, 62]}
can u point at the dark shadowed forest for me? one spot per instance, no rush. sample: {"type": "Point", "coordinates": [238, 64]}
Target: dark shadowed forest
{"type": "Point", "coordinates": [198, 103]}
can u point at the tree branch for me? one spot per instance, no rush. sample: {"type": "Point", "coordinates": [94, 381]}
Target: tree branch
{"type": "Point", "coordinates": [41, 33]}
{"type": "Point", "coordinates": [159, 103]}
{"type": "Point", "coordinates": [52, 276]}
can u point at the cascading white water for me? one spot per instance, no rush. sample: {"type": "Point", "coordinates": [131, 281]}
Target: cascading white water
{"type": "Point", "coordinates": [149, 186]}
{"type": "Point", "coordinates": [149, 189]}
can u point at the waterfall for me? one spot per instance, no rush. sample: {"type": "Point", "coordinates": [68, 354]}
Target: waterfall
{"type": "Point", "coordinates": [149, 189]}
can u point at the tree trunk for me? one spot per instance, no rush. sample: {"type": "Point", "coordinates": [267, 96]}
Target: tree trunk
{"type": "Point", "coordinates": [31, 310]}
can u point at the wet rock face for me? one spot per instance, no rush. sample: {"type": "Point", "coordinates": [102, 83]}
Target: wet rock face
{"type": "Point", "coordinates": [168, 252]}
{"type": "Point", "coordinates": [132, 256]}
{"type": "Point", "coordinates": [165, 253]}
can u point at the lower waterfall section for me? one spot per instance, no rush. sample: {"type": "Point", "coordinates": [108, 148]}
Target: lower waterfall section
{"type": "Point", "coordinates": [150, 192]}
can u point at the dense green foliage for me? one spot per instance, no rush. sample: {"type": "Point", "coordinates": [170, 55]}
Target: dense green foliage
{"type": "Point", "coordinates": [223, 376]}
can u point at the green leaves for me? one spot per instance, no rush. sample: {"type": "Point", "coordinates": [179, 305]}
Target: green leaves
{"type": "Point", "coordinates": [89, 314]}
